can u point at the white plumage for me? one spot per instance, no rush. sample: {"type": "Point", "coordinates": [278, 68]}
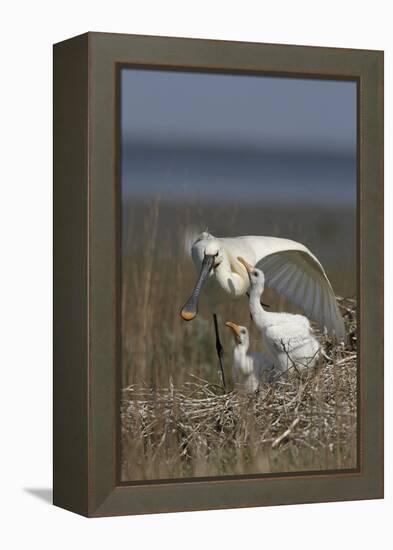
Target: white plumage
{"type": "Point", "coordinates": [249, 368]}
{"type": "Point", "coordinates": [288, 338]}
{"type": "Point", "coordinates": [289, 268]}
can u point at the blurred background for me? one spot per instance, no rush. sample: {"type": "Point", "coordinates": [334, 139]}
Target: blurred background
{"type": "Point", "coordinates": [236, 155]}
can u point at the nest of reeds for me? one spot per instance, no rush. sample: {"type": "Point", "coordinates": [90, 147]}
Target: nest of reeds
{"type": "Point", "coordinates": [303, 421]}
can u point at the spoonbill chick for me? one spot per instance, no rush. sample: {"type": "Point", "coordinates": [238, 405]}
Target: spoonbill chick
{"type": "Point", "coordinates": [288, 337]}
{"type": "Point", "coordinates": [249, 368]}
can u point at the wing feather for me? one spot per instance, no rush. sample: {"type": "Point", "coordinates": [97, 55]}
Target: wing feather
{"type": "Point", "coordinates": [294, 282]}
{"type": "Point", "coordinates": [317, 300]}
{"type": "Point", "coordinates": [284, 279]}
{"type": "Point", "coordinates": [311, 291]}
{"type": "Point", "coordinates": [310, 296]}
{"type": "Point", "coordinates": [301, 289]}
{"type": "Point", "coordinates": [280, 272]}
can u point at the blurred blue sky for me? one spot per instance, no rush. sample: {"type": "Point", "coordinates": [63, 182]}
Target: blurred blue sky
{"type": "Point", "coordinates": [242, 138]}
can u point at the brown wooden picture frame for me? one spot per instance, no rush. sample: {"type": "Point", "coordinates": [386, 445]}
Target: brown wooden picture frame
{"type": "Point", "coordinates": [86, 274]}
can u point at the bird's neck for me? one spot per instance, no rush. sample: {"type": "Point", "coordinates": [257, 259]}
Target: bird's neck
{"type": "Point", "coordinates": [256, 308]}
{"type": "Point", "coordinates": [241, 358]}
{"type": "Point", "coordinates": [241, 349]}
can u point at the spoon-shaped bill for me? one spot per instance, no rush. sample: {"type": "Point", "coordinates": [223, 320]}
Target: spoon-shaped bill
{"type": "Point", "coordinates": [190, 309]}
{"type": "Point", "coordinates": [235, 330]}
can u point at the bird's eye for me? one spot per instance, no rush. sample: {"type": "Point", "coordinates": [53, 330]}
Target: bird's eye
{"type": "Point", "coordinates": [215, 255]}
{"type": "Point", "coordinates": [243, 331]}
{"type": "Point", "coordinates": [256, 273]}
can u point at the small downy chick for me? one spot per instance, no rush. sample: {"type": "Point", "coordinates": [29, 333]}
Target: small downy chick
{"type": "Point", "coordinates": [288, 337]}
{"type": "Point", "coordinates": [249, 368]}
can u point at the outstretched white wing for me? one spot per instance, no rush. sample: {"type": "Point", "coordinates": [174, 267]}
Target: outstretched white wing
{"type": "Point", "coordinates": [300, 277]}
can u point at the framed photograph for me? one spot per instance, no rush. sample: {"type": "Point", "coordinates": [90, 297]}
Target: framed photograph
{"type": "Point", "coordinates": [218, 274]}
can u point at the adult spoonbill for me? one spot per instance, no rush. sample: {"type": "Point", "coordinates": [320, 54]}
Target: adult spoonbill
{"type": "Point", "coordinates": [249, 368]}
{"type": "Point", "coordinates": [288, 337]}
{"type": "Point", "coordinates": [289, 268]}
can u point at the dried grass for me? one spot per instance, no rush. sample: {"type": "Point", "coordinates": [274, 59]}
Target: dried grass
{"type": "Point", "coordinates": [301, 423]}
